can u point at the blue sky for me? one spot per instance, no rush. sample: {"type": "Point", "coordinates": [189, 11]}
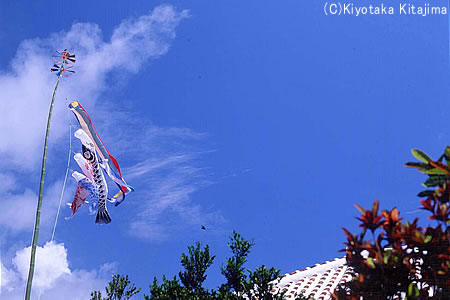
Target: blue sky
{"type": "Point", "coordinates": [266, 118]}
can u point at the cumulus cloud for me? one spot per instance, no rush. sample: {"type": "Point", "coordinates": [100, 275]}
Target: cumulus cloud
{"type": "Point", "coordinates": [51, 263]}
{"type": "Point", "coordinates": [53, 279]}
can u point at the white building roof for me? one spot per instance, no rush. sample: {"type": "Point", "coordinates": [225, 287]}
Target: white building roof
{"type": "Point", "coordinates": [318, 281]}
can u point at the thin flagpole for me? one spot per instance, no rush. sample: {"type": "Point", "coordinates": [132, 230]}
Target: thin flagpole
{"type": "Point", "coordinates": [41, 192]}
{"type": "Point", "coordinates": [60, 66]}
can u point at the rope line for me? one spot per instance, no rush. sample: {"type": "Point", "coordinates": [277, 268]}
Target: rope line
{"type": "Point", "coordinates": [65, 177]}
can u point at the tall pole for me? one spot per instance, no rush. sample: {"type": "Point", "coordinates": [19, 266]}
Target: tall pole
{"type": "Point", "coordinates": [41, 192]}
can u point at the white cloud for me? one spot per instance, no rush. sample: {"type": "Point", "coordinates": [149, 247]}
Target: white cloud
{"type": "Point", "coordinates": [15, 205]}
{"type": "Point", "coordinates": [166, 176]}
{"type": "Point", "coordinates": [8, 279]}
{"type": "Point", "coordinates": [53, 278]}
{"type": "Point", "coordinates": [51, 263]}
{"type": "Point", "coordinates": [144, 167]}
{"type": "Point", "coordinates": [22, 208]}
{"type": "Point", "coordinates": [8, 182]}
{"type": "Point", "coordinates": [164, 204]}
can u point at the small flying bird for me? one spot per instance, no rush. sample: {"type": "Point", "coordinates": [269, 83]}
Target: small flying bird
{"type": "Point", "coordinates": [203, 227]}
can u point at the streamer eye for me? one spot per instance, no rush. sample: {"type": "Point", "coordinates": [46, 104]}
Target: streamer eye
{"type": "Point", "coordinates": [87, 155]}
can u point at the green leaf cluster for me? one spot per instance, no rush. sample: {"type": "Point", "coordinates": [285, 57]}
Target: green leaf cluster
{"type": "Point", "coordinates": [240, 283]}
{"type": "Point", "coordinates": [119, 288]}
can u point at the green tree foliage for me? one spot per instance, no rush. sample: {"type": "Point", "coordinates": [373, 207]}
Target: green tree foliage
{"type": "Point", "coordinates": [260, 284]}
{"type": "Point", "coordinates": [403, 259]}
{"type": "Point", "coordinates": [234, 270]}
{"type": "Point", "coordinates": [239, 284]}
{"type": "Point", "coordinates": [195, 265]}
{"type": "Point", "coordinates": [246, 284]}
{"type": "Point", "coordinates": [169, 289]}
{"type": "Point", "coordinates": [119, 288]}
{"type": "Point", "coordinates": [190, 285]}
